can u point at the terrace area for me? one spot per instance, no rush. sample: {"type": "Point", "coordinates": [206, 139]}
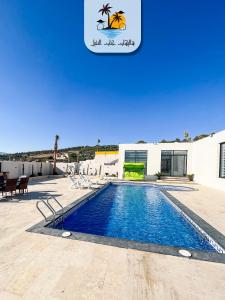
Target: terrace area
{"type": "Point", "coordinates": [46, 267]}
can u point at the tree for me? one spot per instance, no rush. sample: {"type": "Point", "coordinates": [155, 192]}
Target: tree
{"type": "Point", "coordinates": [141, 142]}
{"type": "Point", "coordinates": [187, 137]}
{"type": "Point", "coordinates": [72, 157]}
{"type": "Point", "coordinates": [116, 18]}
{"type": "Point", "coordinates": [201, 136]}
{"type": "Point", "coordinates": [98, 143]}
{"type": "Point", "coordinates": [55, 153]}
{"type": "Point", "coordinates": [105, 10]}
{"type": "Point", "coordinates": [163, 141]}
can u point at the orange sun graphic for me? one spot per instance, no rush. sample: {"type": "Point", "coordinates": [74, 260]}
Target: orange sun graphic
{"type": "Point", "coordinates": [118, 21]}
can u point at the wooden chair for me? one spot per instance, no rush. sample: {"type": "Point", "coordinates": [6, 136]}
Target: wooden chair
{"type": "Point", "coordinates": [2, 181]}
{"type": "Point", "coordinates": [10, 186]}
{"type": "Point", "coordinates": [22, 185]}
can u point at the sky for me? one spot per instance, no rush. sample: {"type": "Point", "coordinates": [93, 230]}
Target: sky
{"type": "Point", "coordinates": [50, 83]}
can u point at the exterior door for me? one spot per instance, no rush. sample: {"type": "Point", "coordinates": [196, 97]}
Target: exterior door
{"type": "Point", "coordinates": [166, 166]}
{"type": "Point", "coordinates": [174, 163]}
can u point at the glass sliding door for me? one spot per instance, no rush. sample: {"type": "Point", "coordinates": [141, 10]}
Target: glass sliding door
{"type": "Point", "coordinates": [174, 163]}
{"type": "Point", "coordinates": [166, 162]}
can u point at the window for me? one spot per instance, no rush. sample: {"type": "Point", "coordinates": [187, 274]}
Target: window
{"type": "Point", "coordinates": [222, 160]}
{"type": "Point", "coordinates": [136, 157]}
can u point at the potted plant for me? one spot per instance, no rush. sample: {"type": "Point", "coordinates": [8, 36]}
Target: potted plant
{"type": "Point", "coordinates": [191, 177]}
{"type": "Point", "coordinates": [158, 175]}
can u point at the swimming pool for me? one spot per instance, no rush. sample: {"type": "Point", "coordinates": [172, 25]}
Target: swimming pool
{"type": "Point", "coordinates": [134, 212]}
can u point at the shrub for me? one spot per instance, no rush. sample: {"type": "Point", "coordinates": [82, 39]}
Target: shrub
{"type": "Point", "coordinates": [191, 177]}
{"type": "Point", "coordinates": [158, 175]}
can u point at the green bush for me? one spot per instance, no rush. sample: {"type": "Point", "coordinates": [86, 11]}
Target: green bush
{"type": "Point", "coordinates": [158, 175]}
{"type": "Point", "coordinates": [191, 177]}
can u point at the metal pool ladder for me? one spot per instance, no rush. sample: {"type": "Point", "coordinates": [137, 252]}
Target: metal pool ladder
{"type": "Point", "coordinates": [47, 203]}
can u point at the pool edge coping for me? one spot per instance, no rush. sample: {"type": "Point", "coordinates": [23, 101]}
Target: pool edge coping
{"type": "Point", "coordinates": [218, 237]}
{"type": "Point", "coordinates": [200, 224]}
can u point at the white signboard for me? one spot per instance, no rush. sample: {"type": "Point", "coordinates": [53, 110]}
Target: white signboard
{"type": "Point", "coordinates": [112, 26]}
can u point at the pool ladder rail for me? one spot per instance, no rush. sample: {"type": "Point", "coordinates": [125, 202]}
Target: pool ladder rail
{"type": "Point", "coordinates": [54, 212]}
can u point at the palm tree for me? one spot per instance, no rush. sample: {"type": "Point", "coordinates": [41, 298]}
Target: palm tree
{"type": "Point", "coordinates": [105, 10]}
{"type": "Point", "coordinates": [187, 136]}
{"type": "Point", "coordinates": [98, 143]}
{"type": "Point", "coordinates": [116, 18]}
{"type": "Point", "coordinates": [55, 153]}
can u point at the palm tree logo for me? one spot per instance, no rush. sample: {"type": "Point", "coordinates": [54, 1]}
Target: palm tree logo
{"type": "Point", "coordinates": [105, 10]}
{"type": "Point", "coordinates": [115, 21]}
{"type": "Point", "coordinates": [117, 17]}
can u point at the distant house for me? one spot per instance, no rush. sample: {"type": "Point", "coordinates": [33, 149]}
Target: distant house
{"type": "Point", "coordinates": [41, 157]}
{"type": "Point", "coordinates": [61, 157]}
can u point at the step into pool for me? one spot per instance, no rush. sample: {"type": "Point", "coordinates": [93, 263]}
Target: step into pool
{"type": "Point", "coordinates": [134, 212]}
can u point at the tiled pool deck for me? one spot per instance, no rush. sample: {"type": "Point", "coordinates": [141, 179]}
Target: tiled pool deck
{"type": "Point", "coordinates": [34, 266]}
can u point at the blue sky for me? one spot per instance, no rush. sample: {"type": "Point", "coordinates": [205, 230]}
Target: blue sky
{"type": "Point", "coordinates": [50, 83]}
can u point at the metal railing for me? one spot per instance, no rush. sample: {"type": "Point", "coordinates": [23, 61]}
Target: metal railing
{"type": "Point", "coordinates": [53, 211]}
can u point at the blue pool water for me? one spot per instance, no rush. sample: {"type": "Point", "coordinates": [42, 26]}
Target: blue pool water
{"type": "Point", "coordinates": [135, 212]}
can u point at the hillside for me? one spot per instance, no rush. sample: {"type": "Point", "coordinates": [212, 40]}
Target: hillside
{"type": "Point", "coordinates": [85, 152]}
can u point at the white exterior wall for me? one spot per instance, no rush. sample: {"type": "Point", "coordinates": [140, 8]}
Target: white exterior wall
{"type": "Point", "coordinates": [206, 161]}
{"type": "Point", "coordinates": [105, 158]}
{"type": "Point", "coordinates": [15, 168]}
{"type": "Point", "coordinates": [92, 167]}
{"type": "Point", "coordinates": [203, 158]}
{"type": "Point", "coordinates": [62, 167]}
{"type": "Point", "coordinates": [97, 165]}
{"type": "Point", "coordinates": [154, 155]}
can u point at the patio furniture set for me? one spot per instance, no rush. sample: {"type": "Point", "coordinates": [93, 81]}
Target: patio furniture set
{"type": "Point", "coordinates": [12, 185]}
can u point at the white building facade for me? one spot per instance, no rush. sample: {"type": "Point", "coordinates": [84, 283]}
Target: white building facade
{"type": "Point", "coordinates": [204, 158]}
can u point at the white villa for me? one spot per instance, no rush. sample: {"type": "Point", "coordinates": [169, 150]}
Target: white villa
{"type": "Point", "coordinates": [204, 158]}
{"type": "Point", "coordinates": [60, 264]}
